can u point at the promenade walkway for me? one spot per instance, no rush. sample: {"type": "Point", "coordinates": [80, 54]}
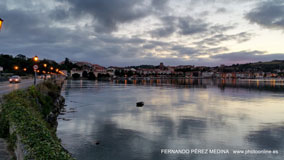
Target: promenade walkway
{"type": "Point", "coordinates": [4, 154]}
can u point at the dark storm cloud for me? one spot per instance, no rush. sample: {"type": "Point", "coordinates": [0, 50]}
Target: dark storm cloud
{"type": "Point", "coordinates": [30, 28]}
{"type": "Point", "coordinates": [269, 14]}
{"type": "Point", "coordinates": [220, 29]}
{"type": "Point", "coordinates": [28, 32]}
{"type": "Point", "coordinates": [84, 30]}
{"type": "Point", "coordinates": [159, 4]}
{"type": "Point", "coordinates": [107, 14]}
{"type": "Point", "coordinates": [180, 25]}
{"type": "Point", "coordinates": [32, 34]}
{"type": "Point", "coordinates": [20, 22]}
{"type": "Point", "coordinates": [116, 40]}
{"type": "Point", "coordinates": [247, 56]}
{"type": "Point", "coordinates": [182, 50]}
{"type": "Point", "coordinates": [219, 38]}
{"type": "Point", "coordinates": [59, 14]}
{"type": "Point", "coordinates": [200, 2]}
{"type": "Point", "coordinates": [238, 56]}
{"type": "Point", "coordinates": [168, 27]}
{"type": "Point", "coordinates": [189, 26]}
{"type": "Point", "coordinates": [149, 46]}
{"type": "Point", "coordinates": [165, 31]}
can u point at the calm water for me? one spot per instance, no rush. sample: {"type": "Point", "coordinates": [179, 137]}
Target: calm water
{"type": "Point", "coordinates": [184, 114]}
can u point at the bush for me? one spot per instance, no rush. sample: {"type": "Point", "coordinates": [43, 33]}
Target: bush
{"type": "Point", "coordinates": [76, 75]}
{"type": "Point", "coordinates": [25, 110]}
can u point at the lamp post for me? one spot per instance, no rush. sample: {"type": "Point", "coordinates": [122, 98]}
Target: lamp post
{"type": "Point", "coordinates": [1, 22]}
{"type": "Point", "coordinates": [35, 67]}
{"type": "Point", "coordinates": [44, 65]}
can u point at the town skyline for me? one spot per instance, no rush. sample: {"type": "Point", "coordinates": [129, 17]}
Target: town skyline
{"type": "Point", "coordinates": [136, 65]}
{"type": "Point", "coordinates": [20, 64]}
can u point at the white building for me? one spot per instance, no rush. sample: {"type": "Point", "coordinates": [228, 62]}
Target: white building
{"type": "Point", "coordinates": [207, 74]}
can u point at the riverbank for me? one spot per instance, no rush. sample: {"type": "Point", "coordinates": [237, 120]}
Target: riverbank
{"type": "Point", "coordinates": [28, 122]}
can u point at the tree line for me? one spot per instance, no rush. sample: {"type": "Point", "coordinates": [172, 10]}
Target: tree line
{"type": "Point", "coordinates": [23, 65]}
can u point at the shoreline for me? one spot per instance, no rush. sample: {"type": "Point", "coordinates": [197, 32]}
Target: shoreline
{"type": "Point", "coordinates": [29, 121]}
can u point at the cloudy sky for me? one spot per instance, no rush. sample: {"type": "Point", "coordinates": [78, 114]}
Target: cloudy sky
{"type": "Point", "coordinates": [134, 32]}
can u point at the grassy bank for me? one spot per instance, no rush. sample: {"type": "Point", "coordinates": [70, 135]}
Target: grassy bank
{"type": "Point", "coordinates": [25, 112]}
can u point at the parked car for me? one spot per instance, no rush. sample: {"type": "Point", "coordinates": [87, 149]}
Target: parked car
{"type": "Point", "coordinates": [15, 79]}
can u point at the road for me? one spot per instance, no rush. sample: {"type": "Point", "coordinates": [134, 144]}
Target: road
{"type": "Point", "coordinates": [6, 87]}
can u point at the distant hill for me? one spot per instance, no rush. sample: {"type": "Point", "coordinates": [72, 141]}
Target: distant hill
{"type": "Point", "coordinates": [270, 66]}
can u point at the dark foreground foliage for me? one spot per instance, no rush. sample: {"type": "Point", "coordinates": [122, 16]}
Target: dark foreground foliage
{"type": "Point", "coordinates": [25, 111]}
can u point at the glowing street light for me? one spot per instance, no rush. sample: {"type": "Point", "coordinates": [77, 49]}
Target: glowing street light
{"type": "Point", "coordinates": [35, 58]}
{"type": "Point", "coordinates": [44, 65]}
{"type": "Point", "coordinates": [56, 70]}
{"type": "Point", "coordinates": [16, 68]}
{"type": "Point", "coordinates": [51, 68]}
{"type": "Point", "coordinates": [25, 69]}
{"type": "Point", "coordinates": [1, 22]}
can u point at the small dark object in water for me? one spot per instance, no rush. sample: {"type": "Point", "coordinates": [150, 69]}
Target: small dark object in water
{"type": "Point", "coordinates": [66, 119]}
{"type": "Point", "coordinates": [98, 142]}
{"type": "Point", "coordinates": [140, 104]}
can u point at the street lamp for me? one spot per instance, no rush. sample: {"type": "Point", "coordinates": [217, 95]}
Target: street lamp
{"type": "Point", "coordinates": [25, 69]}
{"type": "Point", "coordinates": [35, 58]}
{"type": "Point", "coordinates": [1, 22]}
{"type": "Point", "coordinates": [51, 68]}
{"type": "Point", "coordinates": [35, 67]}
{"type": "Point", "coordinates": [44, 65]}
{"type": "Point", "coordinates": [16, 67]}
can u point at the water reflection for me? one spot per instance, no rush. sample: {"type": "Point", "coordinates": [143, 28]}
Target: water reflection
{"type": "Point", "coordinates": [268, 137]}
{"type": "Point", "coordinates": [188, 126]}
{"type": "Point", "coordinates": [177, 114]}
{"type": "Point", "coordinates": [264, 85]}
